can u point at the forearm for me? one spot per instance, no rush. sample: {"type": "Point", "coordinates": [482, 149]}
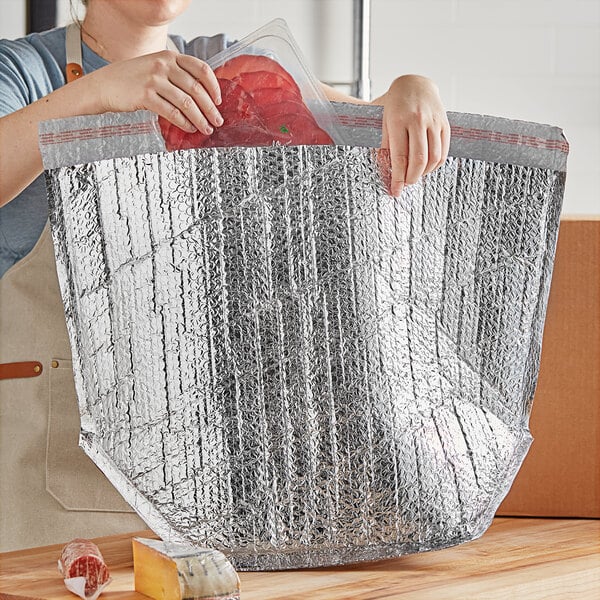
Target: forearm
{"type": "Point", "coordinates": [338, 96]}
{"type": "Point", "coordinates": [20, 159]}
{"type": "Point", "coordinates": [335, 95]}
{"type": "Point", "coordinates": [181, 88]}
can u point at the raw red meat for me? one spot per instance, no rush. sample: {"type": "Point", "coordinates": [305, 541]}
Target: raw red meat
{"type": "Point", "coordinates": [261, 105]}
{"type": "Point", "coordinates": [257, 80]}
{"type": "Point", "coordinates": [237, 107]}
{"type": "Point", "coordinates": [297, 129]}
{"type": "Point", "coordinates": [82, 558]}
{"type": "Point", "coordinates": [246, 63]}
{"type": "Point", "coordinates": [238, 104]}
{"type": "Point", "coordinates": [273, 95]}
{"type": "Point", "coordinates": [240, 135]}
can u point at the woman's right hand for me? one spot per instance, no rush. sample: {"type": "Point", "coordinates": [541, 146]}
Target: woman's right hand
{"type": "Point", "coordinates": [181, 88]}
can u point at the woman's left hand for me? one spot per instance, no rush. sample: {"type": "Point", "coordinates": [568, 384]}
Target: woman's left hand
{"type": "Point", "coordinates": [415, 129]}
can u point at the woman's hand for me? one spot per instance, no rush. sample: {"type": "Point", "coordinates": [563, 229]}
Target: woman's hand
{"type": "Point", "coordinates": [415, 129]}
{"type": "Point", "coordinates": [181, 88]}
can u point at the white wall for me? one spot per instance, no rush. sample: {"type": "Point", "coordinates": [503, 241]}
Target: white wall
{"type": "Point", "coordinates": [535, 60]}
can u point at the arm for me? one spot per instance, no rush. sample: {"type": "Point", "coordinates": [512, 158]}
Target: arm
{"type": "Point", "coordinates": [181, 88]}
{"type": "Point", "coordinates": [415, 127]}
{"type": "Point", "coordinates": [20, 160]}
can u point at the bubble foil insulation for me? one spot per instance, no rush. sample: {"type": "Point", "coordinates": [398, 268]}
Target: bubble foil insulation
{"type": "Point", "coordinates": [275, 358]}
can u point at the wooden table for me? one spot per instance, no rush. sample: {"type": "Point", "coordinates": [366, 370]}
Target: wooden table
{"type": "Point", "coordinates": [516, 558]}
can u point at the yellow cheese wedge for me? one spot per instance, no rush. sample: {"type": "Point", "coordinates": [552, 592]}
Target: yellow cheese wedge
{"type": "Point", "coordinates": [172, 571]}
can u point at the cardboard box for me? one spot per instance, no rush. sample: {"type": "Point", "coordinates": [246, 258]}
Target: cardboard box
{"type": "Point", "coordinates": [560, 476]}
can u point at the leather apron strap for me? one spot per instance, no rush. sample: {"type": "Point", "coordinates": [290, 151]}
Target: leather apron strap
{"type": "Point", "coordinates": [74, 68]}
{"type": "Point", "coordinates": [27, 368]}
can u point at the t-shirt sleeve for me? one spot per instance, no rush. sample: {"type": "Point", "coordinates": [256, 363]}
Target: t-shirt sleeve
{"type": "Point", "coordinates": [23, 77]}
{"type": "Point", "coordinates": [205, 48]}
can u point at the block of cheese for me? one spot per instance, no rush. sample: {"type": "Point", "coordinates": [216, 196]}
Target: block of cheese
{"type": "Point", "coordinates": [174, 571]}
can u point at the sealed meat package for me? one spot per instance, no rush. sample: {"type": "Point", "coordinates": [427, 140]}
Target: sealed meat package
{"type": "Point", "coordinates": [269, 97]}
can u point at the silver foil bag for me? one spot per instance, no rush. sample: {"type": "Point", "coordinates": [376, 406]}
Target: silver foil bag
{"type": "Point", "coordinates": [275, 358]}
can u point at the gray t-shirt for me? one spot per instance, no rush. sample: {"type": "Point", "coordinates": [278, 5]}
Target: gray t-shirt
{"type": "Point", "coordinates": [31, 68]}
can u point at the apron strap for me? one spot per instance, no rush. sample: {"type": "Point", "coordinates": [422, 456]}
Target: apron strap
{"type": "Point", "coordinates": [74, 68]}
{"type": "Point", "coordinates": [16, 370]}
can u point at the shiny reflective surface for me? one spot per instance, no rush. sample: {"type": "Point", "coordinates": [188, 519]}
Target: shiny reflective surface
{"type": "Point", "coordinates": [276, 359]}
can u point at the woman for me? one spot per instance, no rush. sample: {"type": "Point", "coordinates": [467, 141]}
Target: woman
{"type": "Point", "coordinates": [49, 490]}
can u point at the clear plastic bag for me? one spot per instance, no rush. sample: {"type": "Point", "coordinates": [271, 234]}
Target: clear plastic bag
{"type": "Point", "coordinates": [269, 96]}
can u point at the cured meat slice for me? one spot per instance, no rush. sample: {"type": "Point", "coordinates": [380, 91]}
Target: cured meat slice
{"type": "Point", "coordinates": [81, 558]}
{"type": "Point", "coordinates": [238, 103]}
{"type": "Point", "coordinates": [294, 121]}
{"type": "Point", "coordinates": [246, 63]}
{"type": "Point", "coordinates": [279, 110]}
{"type": "Point", "coordinates": [267, 95]}
{"type": "Point", "coordinates": [241, 135]}
{"type": "Point", "coordinates": [296, 129]}
{"type": "Point", "coordinates": [257, 80]}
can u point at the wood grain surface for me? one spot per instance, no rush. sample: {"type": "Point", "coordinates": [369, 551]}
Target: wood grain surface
{"type": "Point", "coordinates": [516, 558]}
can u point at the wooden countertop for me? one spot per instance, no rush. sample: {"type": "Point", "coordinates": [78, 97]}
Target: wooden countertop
{"type": "Point", "coordinates": [516, 558]}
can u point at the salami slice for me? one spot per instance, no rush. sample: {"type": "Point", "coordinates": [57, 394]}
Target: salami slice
{"type": "Point", "coordinates": [81, 558]}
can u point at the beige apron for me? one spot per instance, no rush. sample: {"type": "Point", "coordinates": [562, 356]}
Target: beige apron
{"type": "Point", "coordinates": [50, 491]}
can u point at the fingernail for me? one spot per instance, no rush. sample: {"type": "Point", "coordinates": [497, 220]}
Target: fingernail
{"type": "Point", "coordinates": [191, 129]}
{"type": "Point", "coordinates": [218, 100]}
{"type": "Point", "coordinates": [219, 120]}
{"type": "Point", "coordinates": [208, 130]}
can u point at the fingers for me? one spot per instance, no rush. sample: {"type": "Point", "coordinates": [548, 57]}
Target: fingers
{"type": "Point", "coordinates": [201, 72]}
{"type": "Point", "coordinates": [186, 92]}
{"type": "Point", "coordinates": [169, 111]}
{"type": "Point", "coordinates": [189, 99]}
{"type": "Point", "coordinates": [415, 150]}
{"type": "Point", "coordinates": [417, 154]}
{"type": "Point", "coordinates": [445, 136]}
{"type": "Point", "coordinates": [198, 80]}
{"type": "Point", "coordinates": [434, 144]}
{"type": "Point", "coordinates": [439, 144]}
{"type": "Point", "coordinates": [398, 143]}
